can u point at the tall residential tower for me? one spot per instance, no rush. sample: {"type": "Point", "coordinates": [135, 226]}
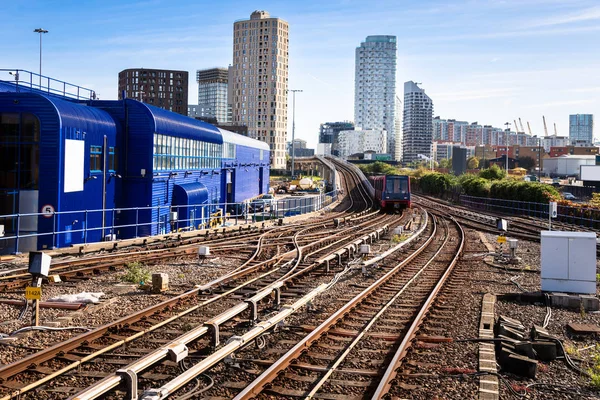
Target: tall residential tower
{"type": "Point", "coordinates": [581, 129]}
{"type": "Point", "coordinates": [212, 94]}
{"type": "Point", "coordinates": [375, 88]}
{"type": "Point", "coordinates": [417, 135]}
{"type": "Point", "coordinates": [259, 76]}
{"type": "Point", "coordinates": [160, 87]}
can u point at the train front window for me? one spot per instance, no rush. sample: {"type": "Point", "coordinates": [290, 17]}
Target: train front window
{"type": "Point", "coordinates": [396, 185]}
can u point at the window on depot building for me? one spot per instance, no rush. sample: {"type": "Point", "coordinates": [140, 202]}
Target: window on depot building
{"type": "Point", "coordinates": [95, 158]}
{"type": "Point", "coordinates": [112, 159]}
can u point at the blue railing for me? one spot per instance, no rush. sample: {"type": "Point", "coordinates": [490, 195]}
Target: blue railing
{"type": "Point", "coordinates": [85, 225]}
{"type": "Point", "coordinates": [582, 216]}
{"type": "Point", "coordinates": [30, 81]}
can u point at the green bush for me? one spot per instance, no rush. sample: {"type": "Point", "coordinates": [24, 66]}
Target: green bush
{"type": "Point", "coordinates": [493, 173]}
{"type": "Point", "coordinates": [136, 273]}
{"type": "Point", "coordinates": [436, 183]}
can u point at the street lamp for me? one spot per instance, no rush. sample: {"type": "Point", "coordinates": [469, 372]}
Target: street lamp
{"type": "Point", "coordinates": [40, 31]}
{"type": "Point", "coordinates": [506, 133]}
{"type": "Point", "coordinates": [293, 125]}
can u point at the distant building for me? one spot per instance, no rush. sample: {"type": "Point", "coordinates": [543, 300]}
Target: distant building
{"type": "Point", "coordinates": [375, 87]}
{"type": "Point", "coordinates": [448, 130]}
{"type": "Point", "coordinates": [298, 144]}
{"type": "Point", "coordinates": [417, 126]}
{"type": "Point", "coordinates": [212, 93]}
{"type": "Point", "coordinates": [558, 151]}
{"type": "Point", "coordinates": [259, 76]}
{"type": "Point", "coordinates": [485, 153]}
{"type": "Point", "coordinates": [360, 141]}
{"type": "Point", "coordinates": [554, 141]}
{"type": "Point", "coordinates": [162, 88]}
{"type": "Point", "coordinates": [398, 129]}
{"type": "Point", "coordinates": [193, 111]}
{"type": "Point", "coordinates": [567, 165]}
{"type": "Point", "coordinates": [459, 160]}
{"type": "Point", "coordinates": [303, 152]}
{"type": "Point", "coordinates": [324, 149]}
{"type": "Point", "coordinates": [536, 153]}
{"type": "Point", "coordinates": [581, 128]}
{"type": "Point", "coordinates": [329, 131]}
{"type": "Point", "coordinates": [442, 150]}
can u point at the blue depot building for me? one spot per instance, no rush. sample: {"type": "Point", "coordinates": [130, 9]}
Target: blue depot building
{"type": "Point", "coordinates": [77, 170]}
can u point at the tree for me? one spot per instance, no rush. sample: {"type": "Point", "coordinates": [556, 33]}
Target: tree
{"type": "Point", "coordinates": [526, 162]}
{"type": "Point", "coordinates": [445, 163]}
{"type": "Point", "coordinates": [473, 162]}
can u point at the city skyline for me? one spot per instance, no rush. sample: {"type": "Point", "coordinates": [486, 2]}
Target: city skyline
{"type": "Point", "coordinates": [492, 61]}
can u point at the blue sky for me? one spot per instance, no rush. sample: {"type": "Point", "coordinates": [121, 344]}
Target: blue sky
{"type": "Point", "coordinates": [489, 61]}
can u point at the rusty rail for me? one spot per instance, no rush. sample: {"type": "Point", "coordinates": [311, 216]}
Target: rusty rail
{"type": "Point", "coordinates": [390, 373]}
{"type": "Point", "coordinates": [271, 373]}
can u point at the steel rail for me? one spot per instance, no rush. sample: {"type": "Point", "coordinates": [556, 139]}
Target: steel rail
{"type": "Point", "coordinates": [372, 322]}
{"type": "Point", "coordinates": [72, 343]}
{"type": "Point", "coordinates": [255, 387]}
{"type": "Point", "coordinates": [390, 373]}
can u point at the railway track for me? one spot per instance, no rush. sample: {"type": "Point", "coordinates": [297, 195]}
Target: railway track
{"type": "Point", "coordinates": [222, 241]}
{"type": "Point", "coordinates": [170, 318]}
{"type": "Point", "coordinates": [345, 356]}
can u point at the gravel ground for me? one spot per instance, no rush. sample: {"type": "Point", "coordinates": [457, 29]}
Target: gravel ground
{"type": "Point", "coordinates": [120, 299]}
{"type": "Point", "coordinates": [441, 361]}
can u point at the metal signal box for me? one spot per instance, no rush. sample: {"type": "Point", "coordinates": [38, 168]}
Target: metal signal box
{"type": "Point", "coordinates": [569, 262]}
{"type": "Point", "coordinates": [39, 263]}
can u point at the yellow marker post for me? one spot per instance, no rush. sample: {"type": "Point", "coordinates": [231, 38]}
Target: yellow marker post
{"type": "Point", "coordinates": [501, 239]}
{"type": "Point", "coordinates": [33, 293]}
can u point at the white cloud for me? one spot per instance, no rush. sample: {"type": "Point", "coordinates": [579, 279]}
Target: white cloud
{"type": "Point", "coordinates": [589, 14]}
{"type": "Point", "coordinates": [560, 103]}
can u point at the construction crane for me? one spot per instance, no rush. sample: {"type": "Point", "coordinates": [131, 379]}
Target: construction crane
{"type": "Point", "coordinates": [516, 126]}
{"type": "Point", "coordinates": [521, 123]}
{"type": "Point", "coordinates": [555, 132]}
{"type": "Point", "coordinates": [545, 127]}
{"type": "Point", "coordinates": [529, 127]}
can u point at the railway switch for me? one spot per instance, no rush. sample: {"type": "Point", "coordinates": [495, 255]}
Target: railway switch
{"type": "Point", "coordinates": [365, 249]}
{"type": "Point", "coordinates": [177, 352]}
{"type": "Point", "coordinates": [131, 382]}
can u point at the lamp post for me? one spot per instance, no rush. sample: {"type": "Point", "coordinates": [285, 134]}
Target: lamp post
{"type": "Point", "coordinates": [40, 31]}
{"type": "Point", "coordinates": [293, 124]}
{"type": "Point", "coordinates": [506, 133]}
{"type": "Point", "coordinates": [539, 159]}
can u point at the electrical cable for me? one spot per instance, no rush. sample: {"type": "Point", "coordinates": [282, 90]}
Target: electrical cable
{"type": "Point", "coordinates": [195, 391]}
{"type": "Point", "coordinates": [50, 328]}
{"type": "Point", "coordinates": [548, 311]}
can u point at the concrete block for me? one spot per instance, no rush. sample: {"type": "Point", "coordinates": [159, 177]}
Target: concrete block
{"type": "Point", "coordinates": [575, 301]}
{"type": "Point", "coordinates": [546, 351]}
{"type": "Point", "coordinates": [510, 332]}
{"type": "Point", "coordinates": [160, 282]}
{"type": "Point", "coordinates": [590, 302]}
{"type": "Point", "coordinates": [521, 365]}
{"type": "Point", "coordinates": [525, 348]}
{"type": "Point", "coordinates": [511, 322]}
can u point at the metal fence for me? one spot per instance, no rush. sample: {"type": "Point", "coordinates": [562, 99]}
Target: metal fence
{"type": "Point", "coordinates": [87, 225]}
{"type": "Point", "coordinates": [582, 216]}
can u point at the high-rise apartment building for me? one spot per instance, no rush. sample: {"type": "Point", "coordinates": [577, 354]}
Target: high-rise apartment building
{"type": "Point", "coordinates": [259, 76]}
{"type": "Point", "coordinates": [361, 141]}
{"type": "Point", "coordinates": [329, 133]}
{"type": "Point", "coordinates": [581, 128]}
{"type": "Point", "coordinates": [417, 125]}
{"type": "Point", "coordinates": [159, 87]}
{"type": "Point", "coordinates": [375, 87]}
{"type": "Point", "coordinates": [397, 151]}
{"type": "Point", "coordinates": [212, 94]}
